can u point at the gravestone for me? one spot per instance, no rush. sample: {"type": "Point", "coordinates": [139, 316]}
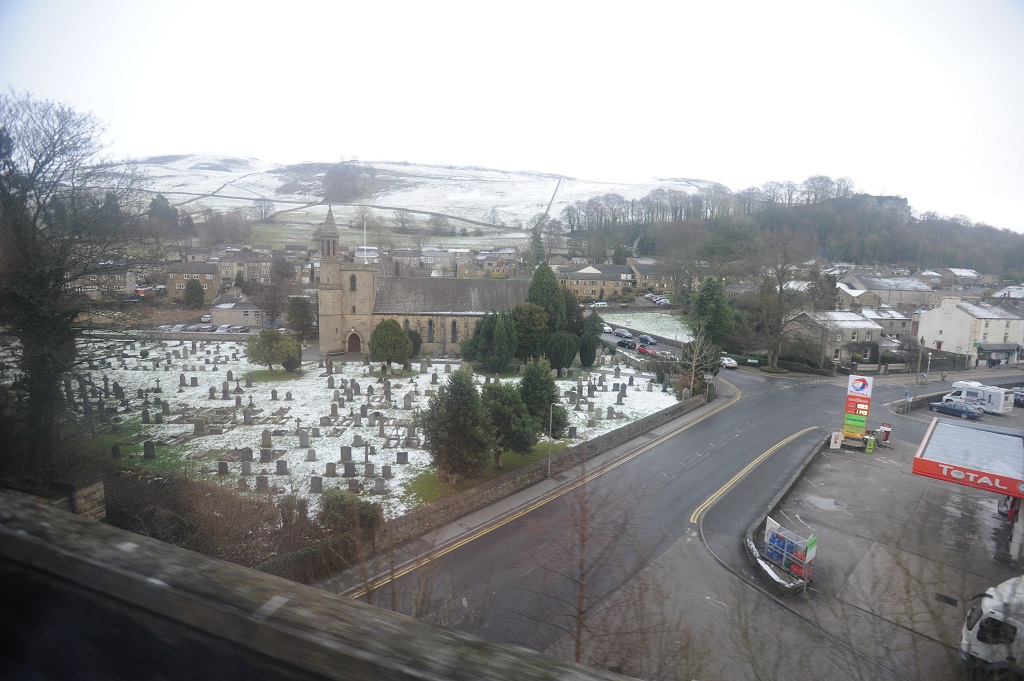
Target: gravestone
{"type": "Point", "coordinates": [346, 453]}
{"type": "Point", "coordinates": [248, 380]}
{"type": "Point", "coordinates": [380, 422]}
{"type": "Point", "coordinates": [590, 406]}
{"type": "Point", "coordinates": [245, 453]}
{"type": "Point", "coordinates": [213, 393]}
{"type": "Point", "coordinates": [591, 423]}
{"type": "Point", "coordinates": [337, 395]}
{"type": "Point", "coordinates": [310, 455]}
{"type": "Point", "coordinates": [618, 398]}
{"type": "Point", "coordinates": [145, 416]}
{"type": "Point", "coordinates": [222, 468]}
{"type": "Point", "coordinates": [158, 417]}
{"type": "Point", "coordinates": [423, 367]}
{"type": "Point", "coordinates": [266, 455]}
{"type": "Point", "coordinates": [316, 430]}
{"type": "Point", "coordinates": [246, 417]}
{"type": "Point", "coordinates": [149, 449]}
{"type": "Point", "coordinates": [379, 486]}
{"type": "Point", "coordinates": [273, 395]}
{"type": "Point", "coordinates": [282, 466]}
{"type": "Point", "coordinates": [199, 426]}
{"type": "Point", "coordinates": [334, 412]}
{"type": "Point", "coordinates": [353, 484]}
{"type": "Point", "coordinates": [385, 472]}
{"type": "Point", "coordinates": [369, 391]}
{"type": "Point", "coordinates": [265, 441]}
{"type": "Point", "coordinates": [165, 408]}
{"type": "Point", "coordinates": [630, 380]}
{"type": "Point", "coordinates": [407, 401]}
{"type": "Point", "coordinates": [303, 439]}
{"type": "Point", "coordinates": [332, 470]}
{"type": "Point", "coordinates": [402, 457]}
{"type": "Point", "coordinates": [181, 380]}
{"type": "Point", "coordinates": [238, 400]}
{"type": "Point", "coordinates": [368, 470]}
{"type": "Point", "coordinates": [231, 375]}
{"type": "Point", "coordinates": [262, 483]}
{"type": "Point", "coordinates": [288, 396]}
{"type": "Point", "coordinates": [363, 410]}
{"type": "Point", "coordinates": [193, 382]}
{"type": "Point", "coordinates": [357, 440]}
{"type": "Point", "coordinates": [324, 421]}
{"type": "Point", "coordinates": [247, 466]}
{"type": "Point", "coordinates": [616, 371]}
{"type": "Point", "coordinates": [650, 387]}
{"type": "Point", "coordinates": [330, 382]}
{"type": "Point", "coordinates": [350, 469]}
{"type": "Point", "coordinates": [611, 412]}
{"type": "Point", "coordinates": [355, 388]}
{"type": "Point", "coordinates": [433, 378]}
{"type": "Point", "coordinates": [316, 485]}
{"type": "Point", "coordinates": [572, 431]}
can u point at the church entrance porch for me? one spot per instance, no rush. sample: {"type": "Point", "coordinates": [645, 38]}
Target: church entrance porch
{"type": "Point", "coordinates": [354, 344]}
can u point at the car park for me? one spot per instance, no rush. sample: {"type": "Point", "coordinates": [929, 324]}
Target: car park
{"type": "Point", "coordinates": [729, 363]}
{"type": "Point", "coordinates": [644, 350]}
{"type": "Point", "coordinates": [647, 340]}
{"type": "Point", "coordinates": [629, 345]}
{"type": "Point", "coordinates": [223, 328]}
{"type": "Point", "coordinates": [205, 318]}
{"type": "Point", "coordinates": [961, 409]}
{"type": "Point", "coordinates": [606, 329]}
{"type": "Point", "coordinates": [623, 333]}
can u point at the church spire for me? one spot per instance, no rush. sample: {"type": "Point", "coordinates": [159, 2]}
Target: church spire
{"type": "Point", "coordinates": [329, 236]}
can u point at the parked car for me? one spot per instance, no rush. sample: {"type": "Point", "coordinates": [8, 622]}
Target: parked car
{"type": "Point", "coordinates": [961, 409]}
{"type": "Point", "coordinates": [205, 319]}
{"type": "Point", "coordinates": [663, 301]}
{"type": "Point", "coordinates": [622, 333]}
{"type": "Point", "coordinates": [177, 328]}
{"type": "Point", "coordinates": [629, 345]}
{"type": "Point", "coordinates": [729, 363]}
{"type": "Point", "coordinates": [644, 350]}
{"type": "Point", "coordinates": [665, 354]}
{"type": "Point", "coordinates": [206, 328]}
{"type": "Point", "coordinates": [239, 329]}
{"type": "Point", "coordinates": [600, 303]}
{"type": "Point", "coordinates": [194, 327]}
{"type": "Point", "coordinates": [647, 339]}
{"type": "Point", "coordinates": [223, 328]}
{"type": "Point", "coordinates": [648, 296]}
{"type": "Point", "coordinates": [606, 329]}
{"type": "Point", "coordinates": [164, 327]}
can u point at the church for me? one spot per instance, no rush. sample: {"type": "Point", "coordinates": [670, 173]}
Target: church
{"type": "Point", "coordinates": [356, 296]}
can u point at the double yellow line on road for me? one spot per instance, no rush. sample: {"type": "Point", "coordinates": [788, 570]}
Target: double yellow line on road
{"type": "Point", "coordinates": [739, 476]}
{"type": "Point", "coordinates": [416, 563]}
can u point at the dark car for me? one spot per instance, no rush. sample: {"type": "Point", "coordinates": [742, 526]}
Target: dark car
{"type": "Point", "coordinates": [629, 345]}
{"type": "Point", "coordinates": [964, 411]}
{"type": "Point", "coordinates": [648, 340]}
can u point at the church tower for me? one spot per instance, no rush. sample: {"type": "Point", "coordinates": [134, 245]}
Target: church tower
{"type": "Point", "coordinates": [347, 295]}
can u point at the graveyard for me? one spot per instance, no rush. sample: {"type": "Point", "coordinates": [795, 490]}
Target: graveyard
{"type": "Point", "coordinates": [202, 407]}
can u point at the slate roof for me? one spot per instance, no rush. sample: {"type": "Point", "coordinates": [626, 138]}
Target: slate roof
{"type": "Point", "coordinates": [842, 320]}
{"type": "Point", "coordinates": [986, 311]}
{"type": "Point", "coordinates": [191, 268]}
{"type": "Point", "coordinates": [420, 296]}
{"type": "Point", "coordinates": [1009, 292]}
{"type": "Point", "coordinates": [894, 284]}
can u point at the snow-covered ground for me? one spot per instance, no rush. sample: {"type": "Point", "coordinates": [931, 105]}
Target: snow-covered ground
{"type": "Point", "coordinates": [657, 323]}
{"type": "Point", "coordinates": [478, 194]}
{"type": "Point", "coordinates": [311, 399]}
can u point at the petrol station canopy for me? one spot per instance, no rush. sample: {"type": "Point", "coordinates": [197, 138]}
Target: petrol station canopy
{"type": "Point", "coordinates": [985, 457]}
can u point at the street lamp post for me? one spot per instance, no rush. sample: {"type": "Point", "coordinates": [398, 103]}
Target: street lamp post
{"type": "Point", "coordinates": [929, 363]}
{"type": "Point", "coordinates": [917, 379]}
{"type": "Point", "coordinates": [551, 436]}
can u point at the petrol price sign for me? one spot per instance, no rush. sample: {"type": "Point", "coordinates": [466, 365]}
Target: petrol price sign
{"type": "Point", "coordinates": [858, 407]}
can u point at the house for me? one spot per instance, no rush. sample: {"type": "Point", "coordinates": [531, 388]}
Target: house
{"type": "Point", "coordinates": [207, 273]}
{"type": "Point", "coordinates": [242, 313]}
{"type": "Point", "coordinates": [107, 279]}
{"type": "Point", "coordinates": [895, 291]}
{"type": "Point", "coordinates": [355, 296]}
{"type": "Point", "coordinates": [979, 330]}
{"type": "Point", "coordinates": [833, 336]}
{"type": "Point", "coordinates": [599, 282]}
{"type": "Point", "coordinates": [650, 276]}
{"type": "Point", "coordinates": [894, 324]}
{"type": "Point", "coordinates": [848, 298]}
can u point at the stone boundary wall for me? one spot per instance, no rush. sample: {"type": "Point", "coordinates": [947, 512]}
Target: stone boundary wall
{"type": "Point", "coordinates": [449, 509]}
{"type": "Point", "coordinates": [80, 493]}
{"type": "Point", "coordinates": [82, 599]}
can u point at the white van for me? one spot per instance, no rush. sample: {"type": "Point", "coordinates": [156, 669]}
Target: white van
{"type": "Point", "coordinates": [992, 638]}
{"type": "Point", "coordinates": [993, 400]}
{"type": "Point", "coordinates": [600, 303]}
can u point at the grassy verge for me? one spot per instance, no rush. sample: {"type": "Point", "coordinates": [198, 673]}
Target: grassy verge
{"type": "Point", "coordinates": [427, 487]}
{"type": "Point", "coordinates": [270, 375]}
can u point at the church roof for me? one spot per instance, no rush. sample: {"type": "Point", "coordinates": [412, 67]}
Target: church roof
{"type": "Point", "coordinates": [422, 296]}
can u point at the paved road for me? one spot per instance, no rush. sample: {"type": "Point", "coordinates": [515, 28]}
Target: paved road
{"type": "Point", "coordinates": [519, 581]}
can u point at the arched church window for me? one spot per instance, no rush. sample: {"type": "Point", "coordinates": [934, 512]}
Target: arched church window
{"type": "Point", "coordinates": [430, 331]}
{"type": "Point", "coordinates": [405, 325]}
{"type": "Point", "coordinates": [455, 332]}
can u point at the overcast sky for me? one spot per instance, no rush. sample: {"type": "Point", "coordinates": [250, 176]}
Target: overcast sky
{"type": "Point", "coordinates": [921, 99]}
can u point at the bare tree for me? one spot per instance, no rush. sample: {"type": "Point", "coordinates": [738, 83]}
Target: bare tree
{"type": "Point", "coordinates": [778, 296]}
{"type": "Point", "coordinates": [698, 358]}
{"type": "Point", "coordinates": [263, 209]}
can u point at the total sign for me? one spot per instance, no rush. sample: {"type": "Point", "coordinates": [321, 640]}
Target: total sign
{"type": "Point", "coordinates": [858, 407]}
